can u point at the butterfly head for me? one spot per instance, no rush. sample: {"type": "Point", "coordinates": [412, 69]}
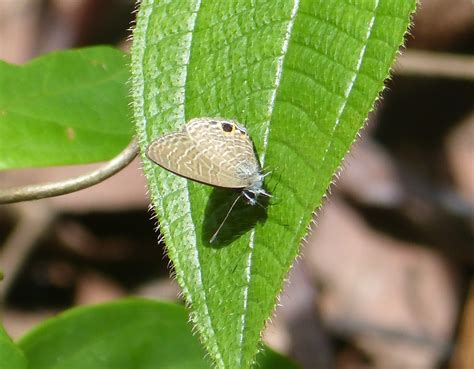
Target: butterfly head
{"type": "Point", "coordinates": [252, 192]}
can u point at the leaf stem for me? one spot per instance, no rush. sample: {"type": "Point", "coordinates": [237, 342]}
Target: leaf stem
{"type": "Point", "coordinates": [50, 189]}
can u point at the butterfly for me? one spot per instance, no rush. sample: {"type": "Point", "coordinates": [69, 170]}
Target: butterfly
{"type": "Point", "coordinates": [213, 151]}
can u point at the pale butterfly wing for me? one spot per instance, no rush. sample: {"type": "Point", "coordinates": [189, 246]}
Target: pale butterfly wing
{"type": "Point", "coordinates": [228, 147]}
{"type": "Point", "coordinates": [213, 151]}
{"type": "Point", "coordinates": [190, 154]}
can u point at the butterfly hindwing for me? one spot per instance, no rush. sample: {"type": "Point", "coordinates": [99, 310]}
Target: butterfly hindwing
{"type": "Point", "coordinates": [187, 155]}
{"type": "Point", "coordinates": [228, 146]}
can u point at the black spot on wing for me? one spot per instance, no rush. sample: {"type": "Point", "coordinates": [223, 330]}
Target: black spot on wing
{"type": "Point", "coordinates": [227, 127]}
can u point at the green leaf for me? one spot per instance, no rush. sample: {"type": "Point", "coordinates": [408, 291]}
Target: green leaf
{"type": "Point", "coordinates": [67, 107]}
{"type": "Point", "coordinates": [127, 334]}
{"type": "Point", "coordinates": [302, 77]}
{"type": "Point", "coordinates": [10, 355]}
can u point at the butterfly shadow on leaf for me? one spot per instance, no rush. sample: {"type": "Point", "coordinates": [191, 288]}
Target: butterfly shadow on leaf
{"type": "Point", "coordinates": [242, 218]}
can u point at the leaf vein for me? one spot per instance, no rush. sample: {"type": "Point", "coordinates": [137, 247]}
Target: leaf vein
{"type": "Point", "coordinates": [271, 106]}
{"type": "Point", "coordinates": [217, 350]}
{"type": "Point", "coordinates": [328, 58]}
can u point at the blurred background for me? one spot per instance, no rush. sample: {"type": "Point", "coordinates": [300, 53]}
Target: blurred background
{"type": "Point", "coordinates": [386, 281]}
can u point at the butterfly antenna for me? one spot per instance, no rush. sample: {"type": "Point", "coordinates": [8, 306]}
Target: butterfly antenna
{"type": "Point", "coordinates": [213, 238]}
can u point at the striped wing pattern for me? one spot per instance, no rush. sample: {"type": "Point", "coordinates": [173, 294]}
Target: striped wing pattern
{"type": "Point", "coordinates": [208, 150]}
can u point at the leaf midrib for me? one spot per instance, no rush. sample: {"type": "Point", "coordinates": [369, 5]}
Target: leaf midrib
{"type": "Point", "coordinates": [271, 106]}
